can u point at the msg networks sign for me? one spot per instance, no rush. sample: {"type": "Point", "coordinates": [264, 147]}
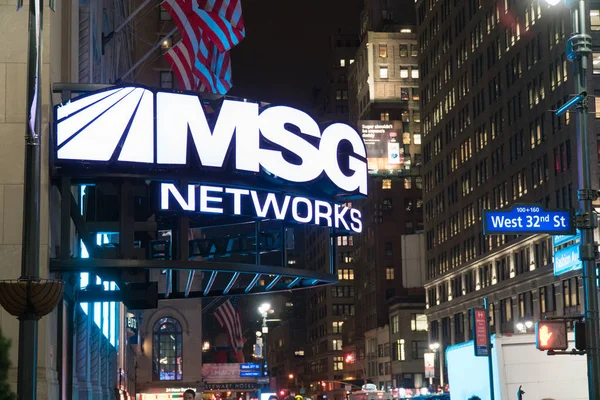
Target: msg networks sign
{"type": "Point", "coordinates": [271, 164]}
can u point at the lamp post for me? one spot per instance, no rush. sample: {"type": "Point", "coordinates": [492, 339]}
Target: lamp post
{"type": "Point", "coordinates": [435, 347]}
{"type": "Point", "coordinates": [579, 47]}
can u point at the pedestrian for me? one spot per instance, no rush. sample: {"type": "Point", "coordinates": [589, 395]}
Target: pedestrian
{"type": "Point", "coordinates": [189, 395]}
{"type": "Point", "coordinates": [475, 398]}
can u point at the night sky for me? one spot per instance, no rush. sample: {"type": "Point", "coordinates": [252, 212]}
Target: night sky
{"type": "Point", "coordinates": [286, 51]}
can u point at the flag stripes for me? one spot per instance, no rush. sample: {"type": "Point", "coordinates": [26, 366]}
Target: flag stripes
{"type": "Point", "coordinates": [229, 319]}
{"type": "Point", "coordinates": [209, 29]}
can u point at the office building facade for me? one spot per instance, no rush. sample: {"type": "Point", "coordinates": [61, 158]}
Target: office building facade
{"type": "Point", "coordinates": [491, 72]}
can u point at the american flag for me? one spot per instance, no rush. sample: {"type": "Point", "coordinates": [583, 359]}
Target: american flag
{"type": "Point", "coordinates": [208, 28]}
{"type": "Point", "coordinates": [229, 318]}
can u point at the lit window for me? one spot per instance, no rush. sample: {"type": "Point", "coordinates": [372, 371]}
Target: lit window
{"type": "Point", "coordinates": [416, 116]}
{"type": "Point", "coordinates": [414, 73]}
{"type": "Point", "coordinates": [407, 182]}
{"type": "Point", "coordinates": [389, 273]}
{"type": "Point", "coordinates": [383, 72]}
{"type": "Point", "coordinates": [595, 20]}
{"type": "Point", "coordinates": [597, 106]}
{"type": "Point", "coordinates": [406, 138]}
{"type": "Point", "coordinates": [337, 326]}
{"type": "Point", "coordinates": [383, 50]}
{"type": "Point", "coordinates": [403, 72]}
{"type": "Point", "coordinates": [414, 50]}
{"type": "Point", "coordinates": [167, 350]}
{"type": "Point", "coordinates": [418, 322]}
{"type": "Point", "coordinates": [166, 79]}
{"type": "Point", "coordinates": [417, 138]}
{"type": "Point", "coordinates": [395, 323]}
{"type": "Point", "coordinates": [401, 350]}
{"type": "Point", "coordinates": [403, 50]}
{"type": "Point", "coordinates": [596, 67]}
{"type": "Point", "coordinates": [384, 116]}
{"type": "Point", "coordinates": [338, 363]}
{"type": "Point", "coordinates": [342, 62]}
{"type": "Point", "coordinates": [406, 30]}
{"type": "Point", "coordinates": [386, 184]}
{"type": "Point", "coordinates": [337, 344]}
{"type": "Point", "coordinates": [351, 61]}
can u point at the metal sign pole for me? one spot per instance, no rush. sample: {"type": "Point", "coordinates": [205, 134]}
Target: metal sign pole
{"type": "Point", "coordinates": [578, 49]}
{"type": "Point", "coordinates": [489, 349]}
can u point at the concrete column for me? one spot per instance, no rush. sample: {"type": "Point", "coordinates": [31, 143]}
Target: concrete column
{"type": "Point", "coordinates": [452, 331]}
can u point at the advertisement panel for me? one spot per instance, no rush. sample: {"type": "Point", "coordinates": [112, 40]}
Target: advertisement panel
{"type": "Point", "coordinates": [389, 149]}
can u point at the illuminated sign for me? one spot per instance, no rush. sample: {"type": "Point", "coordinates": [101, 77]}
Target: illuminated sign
{"type": "Point", "coordinates": [231, 386]}
{"type": "Point", "coordinates": [566, 253]}
{"type": "Point", "coordinates": [134, 127]}
{"type": "Point", "coordinates": [249, 373]}
{"type": "Point", "coordinates": [235, 201]}
{"type": "Point", "coordinates": [551, 335]}
{"type": "Point", "coordinates": [249, 366]}
{"type": "Point", "coordinates": [390, 150]}
{"type": "Point", "coordinates": [528, 219]}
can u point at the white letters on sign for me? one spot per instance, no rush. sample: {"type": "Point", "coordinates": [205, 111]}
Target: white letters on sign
{"type": "Point", "coordinates": [224, 200]}
{"type": "Point", "coordinates": [118, 125]}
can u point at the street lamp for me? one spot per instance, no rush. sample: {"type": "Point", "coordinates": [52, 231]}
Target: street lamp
{"type": "Point", "coordinates": [264, 311]}
{"type": "Point", "coordinates": [579, 48]}
{"type": "Point", "coordinates": [435, 346]}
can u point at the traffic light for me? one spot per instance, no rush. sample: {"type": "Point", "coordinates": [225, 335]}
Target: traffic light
{"type": "Point", "coordinates": [579, 332]}
{"type": "Point", "coordinates": [551, 335]}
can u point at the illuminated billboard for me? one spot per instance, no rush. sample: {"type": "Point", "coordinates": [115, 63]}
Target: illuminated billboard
{"type": "Point", "coordinates": [390, 150]}
{"type": "Point", "coordinates": [275, 162]}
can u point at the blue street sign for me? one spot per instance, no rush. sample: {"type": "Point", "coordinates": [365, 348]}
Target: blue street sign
{"type": "Point", "coordinates": [558, 240]}
{"type": "Point", "coordinates": [567, 259]}
{"type": "Point", "coordinates": [528, 219]}
{"type": "Point", "coordinates": [249, 366]}
{"type": "Point", "coordinates": [249, 373]}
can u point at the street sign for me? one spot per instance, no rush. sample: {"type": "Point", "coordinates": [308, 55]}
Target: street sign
{"type": "Point", "coordinates": [567, 259]}
{"type": "Point", "coordinates": [245, 374]}
{"type": "Point", "coordinates": [429, 365]}
{"type": "Point", "coordinates": [262, 380]}
{"type": "Point", "coordinates": [480, 332]}
{"type": "Point", "coordinates": [558, 240]}
{"type": "Point", "coordinates": [249, 366]}
{"type": "Point", "coordinates": [528, 219]}
{"type": "Point", "coordinates": [551, 335]}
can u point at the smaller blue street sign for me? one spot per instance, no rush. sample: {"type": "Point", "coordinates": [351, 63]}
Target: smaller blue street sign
{"type": "Point", "coordinates": [249, 366]}
{"type": "Point", "coordinates": [567, 259]}
{"type": "Point", "coordinates": [558, 240]}
{"type": "Point", "coordinates": [249, 373]}
{"type": "Point", "coordinates": [528, 219]}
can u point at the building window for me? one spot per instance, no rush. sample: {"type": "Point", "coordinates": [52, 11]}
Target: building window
{"type": "Point", "coordinates": [346, 274]}
{"type": "Point", "coordinates": [414, 73]}
{"type": "Point", "coordinates": [418, 322]}
{"type": "Point", "coordinates": [167, 350]}
{"type": "Point", "coordinates": [403, 50]}
{"type": "Point", "coordinates": [345, 241]}
{"type": "Point", "coordinates": [383, 51]}
{"type": "Point", "coordinates": [597, 104]}
{"type": "Point", "coordinates": [389, 273]}
{"type": "Point", "coordinates": [337, 344]}
{"type": "Point", "coordinates": [395, 323]}
{"type": "Point", "coordinates": [571, 292]}
{"type": "Point", "coordinates": [386, 184]}
{"type": "Point", "coordinates": [385, 116]}
{"type": "Point", "coordinates": [342, 62]}
{"type": "Point", "coordinates": [595, 20]}
{"type": "Point", "coordinates": [337, 326]}
{"type": "Point", "coordinates": [164, 15]}
{"type": "Point", "coordinates": [338, 363]}
{"type": "Point", "coordinates": [419, 347]}
{"type": "Point", "coordinates": [383, 72]}
{"type": "Point", "coordinates": [166, 79]}
{"type": "Point", "coordinates": [414, 50]}
{"type": "Point", "coordinates": [596, 63]}
{"type": "Point", "coordinates": [417, 138]}
{"type": "Point", "coordinates": [403, 72]}
{"type": "Point", "coordinates": [388, 249]}
{"type": "Point", "coordinates": [401, 350]}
